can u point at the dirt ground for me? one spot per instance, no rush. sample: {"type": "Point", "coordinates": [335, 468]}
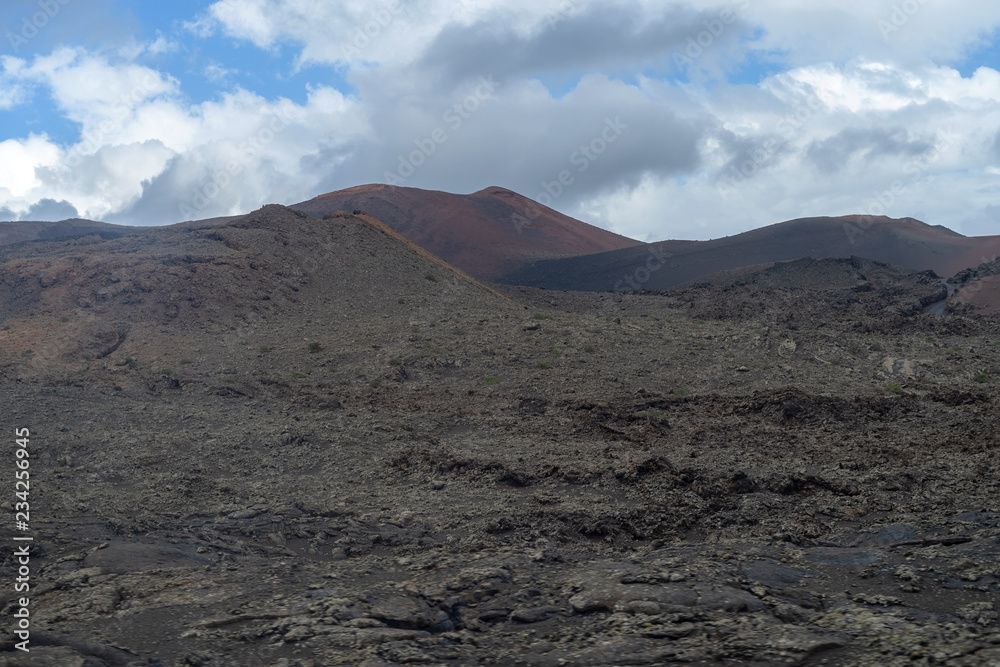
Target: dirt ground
{"type": "Point", "coordinates": [296, 443]}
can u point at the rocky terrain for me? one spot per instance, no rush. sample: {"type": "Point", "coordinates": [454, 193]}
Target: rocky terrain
{"type": "Point", "coordinates": [285, 441]}
{"type": "Point", "coordinates": [905, 242]}
{"type": "Point", "coordinates": [17, 232]}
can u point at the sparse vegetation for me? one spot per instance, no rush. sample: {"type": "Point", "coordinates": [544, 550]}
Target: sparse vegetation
{"type": "Point", "coordinates": [983, 378]}
{"type": "Point", "coordinates": [543, 364]}
{"type": "Point", "coordinates": [166, 370]}
{"type": "Point", "coordinates": [682, 392]}
{"type": "Point", "coordinates": [87, 356]}
{"type": "Point", "coordinates": [894, 389]}
{"type": "Point", "coordinates": [431, 277]}
{"type": "Point", "coordinates": [400, 300]}
{"type": "Point", "coordinates": [299, 374]}
{"type": "Point", "coordinates": [27, 353]}
{"type": "Point", "coordinates": [225, 380]}
{"type": "Point", "coordinates": [315, 347]}
{"type": "Point", "coordinates": [540, 316]}
{"type": "Point", "coordinates": [375, 384]}
{"type": "Point", "coordinates": [589, 349]}
{"type": "Point", "coordinates": [64, 319]}
{"type": "Point", "coordinates": [132, 362]}
{"type": "Point", "coordinates": [186, 361]}
{"type": "Point", "coordinates": [491, 380]}
{"type": "Point", "coordinates": [930, 339]}
{"type": "Point", "coordinates": [263, 349]}
{"type": "Point", "coordinates": [395, 362]}
{"type": "Point", "coordinates": [459, 331]}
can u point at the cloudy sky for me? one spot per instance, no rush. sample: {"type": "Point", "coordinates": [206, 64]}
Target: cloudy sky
{"type": "Point", "coordinates": [654, 119]}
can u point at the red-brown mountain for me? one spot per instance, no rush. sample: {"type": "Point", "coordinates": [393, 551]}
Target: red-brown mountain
{"type": "Point", "coordinates": [905, 242]}
{"type": "Point", "coordinates": [488, 233]}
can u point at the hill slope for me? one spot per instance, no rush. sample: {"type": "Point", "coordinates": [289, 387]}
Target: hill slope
{"type": "Point", "coordinates": [84, 299]}
{"type": "Point", "coordinates": [487, 233]}
{"type": "Point", "coordinates": [277, 440]}
{"type": "Point", "coordinates": [906, 242]}
{"type": "Point", "coordinates": [25, 230]}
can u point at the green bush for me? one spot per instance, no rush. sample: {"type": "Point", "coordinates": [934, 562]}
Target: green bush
{"type": "Point", "coordinates": [64, 319]}
{"type": "Point", "coordinates": [431, 277]}
{"type": "Point", "coordinates": [263, 349]}
{"type": "Point", "coordinates": [982, 378]}
{"type": "Point", "coordinates": [395, 362]}
{"type": "Point", "coordinates": [299, 374]}
{"type": "Point", "coordinates": [315, 347]}
{"type": "Point", "coordinates": [894, 389]}
{"type": "Point", "coordinates": [542, 364]}
{"type": "Point", "coordinates": [166, 371]}
{"type": "Point", "coordinates": [374, 384]}
{"type": "Point", "coordinates": [132, 362]}
{"type": "Point", "coordinates": [491, 380]}
{"type": "Point", "coordinates": [589, 349]}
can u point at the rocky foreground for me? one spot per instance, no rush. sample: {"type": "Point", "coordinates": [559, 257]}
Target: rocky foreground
{"type": "Point", "coordinates": [459, 477]}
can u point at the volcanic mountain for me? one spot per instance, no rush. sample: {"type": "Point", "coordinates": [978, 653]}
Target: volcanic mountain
{"type": "Point", "coordinates": [906, 242]}
{"type": "Point", "coordinates": [488, 233]}
{"type": "Point", "coordinates": [76, 300]}
{"type": "Point", "coordinates": [276, 440]}
{"type": "Point", "coordinates": [28, 230]}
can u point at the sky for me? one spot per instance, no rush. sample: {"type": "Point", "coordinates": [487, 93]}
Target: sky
{"type": "Point", "coordinates": [653, 119]}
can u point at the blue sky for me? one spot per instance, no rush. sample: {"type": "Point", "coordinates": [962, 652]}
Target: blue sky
{"type": "Point", "coordinates": [733, 114]}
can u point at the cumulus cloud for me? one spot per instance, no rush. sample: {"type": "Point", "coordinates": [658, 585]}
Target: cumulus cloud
{"type": "Point", "coordinates": [621, 113]}
{"type": "Point", "coordinates": [50, 210]}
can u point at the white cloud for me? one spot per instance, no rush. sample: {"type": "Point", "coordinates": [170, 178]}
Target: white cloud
{"type": "Point", "coordinates": [136, 129]}
{"type": "Point", "coordinates": [853, 113]}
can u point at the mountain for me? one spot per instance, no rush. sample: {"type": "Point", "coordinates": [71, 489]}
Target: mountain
{"type": "Point", "coordinates": [488, 233]}
{"type": "Point", "coordinates": [979, 288]}
{"type": "Point", "coordinates": [25, 230]}
{"type": "Point", "coordinates": [810, 289]}
{"type": "Point", "coordinates": [279, 440]}
{"type": "Point", "coordinates": [904, 242]}
{"type": "Point", "coordinates": [85, 299]}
